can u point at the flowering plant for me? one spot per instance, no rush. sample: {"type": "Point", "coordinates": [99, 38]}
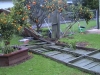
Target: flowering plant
{"type": "Point", "coordinates": [86, 14]}
{"type": "Point", "coordinates": [11, 23]}
{"type": "Point", "coordinates": [19, 13]}
{"type": "Point", "coordinates": [6, 28]}
{"type": "Point", "coordinates": [6, 31]}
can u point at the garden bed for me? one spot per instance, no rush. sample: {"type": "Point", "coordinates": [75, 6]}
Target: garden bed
{"type": "Point", "coordinates": [14, 57]}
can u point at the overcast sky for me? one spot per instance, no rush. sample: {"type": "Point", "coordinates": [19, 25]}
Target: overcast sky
{"type": "Point", "coordinates": [6, 4]}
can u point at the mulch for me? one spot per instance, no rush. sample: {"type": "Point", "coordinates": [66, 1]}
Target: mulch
{"type": "Point", "coordinates": [82, 44]}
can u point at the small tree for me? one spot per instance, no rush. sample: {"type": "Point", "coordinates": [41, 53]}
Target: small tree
{"type": "Point", "coordinates": [14, 21]}
{"type": "Point", "coordinates": [6, 28]}
{"type": "Point", "coordinates": [92, 4]}
{"type": "Point", "coordinates": [19, 14]}
{"type": "Point", "coordinates": [40, 9]}
{"type": "Point", "coordinates": [81, 12]}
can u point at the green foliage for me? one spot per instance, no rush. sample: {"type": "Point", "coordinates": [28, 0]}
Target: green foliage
{"type": "Point", "coordinates": [14, 1]}
{"type": "Point", "coordinates": [92, 4]}
{"type": "Point", "coordinates": [16, 20]}
{"type": "Point", "coordinates": [39, 65]}
{"type": "Point", "coordinates": [86, 14]}
{"type": "Point", "coordinates": [15, 40]}
{"type": "Point", "coordinates": [6, 27]}
{"type": "Point", "coordinates": [81, 12]}
{"type": "Point", "coordinates": [40, 9]}
{"type": "Point", "coordinates": [91, 39]}
{"type": "Point", "coordinates": [72, 44]}
{"type": "Point", "coordinates": [19, 14]}
{"type": "Point", "coordinates": [91, 24]}
{"type": "Point", "coordinates": [13, 22]}
{"type": "Point", "coordinates": [7, 49]}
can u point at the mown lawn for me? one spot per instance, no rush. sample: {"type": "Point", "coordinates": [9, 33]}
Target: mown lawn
{"type": "Point", "coordinates": [75, 27]}
{"type": "Point", "coordinates": [39, 65]}
{"type": "Point", "coordinates": [91, 39]}
{"type": "Point", "coordinates": [14, 41]}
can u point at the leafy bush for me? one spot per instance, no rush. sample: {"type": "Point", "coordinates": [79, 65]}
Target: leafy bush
{"type": "Point", "coordinates": [6, 28]}
{"type": "Point", "coordinates": [11, 23]}
{"type": "Point", "coordinates": [7, 49]}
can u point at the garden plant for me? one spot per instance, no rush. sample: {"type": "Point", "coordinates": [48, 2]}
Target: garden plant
{"type": "Point", "coordinates": [40, 10]}
{"type": "Point", "coordinates": [12, 23]}
{"type": "Point", "coordinates": [17, 20]}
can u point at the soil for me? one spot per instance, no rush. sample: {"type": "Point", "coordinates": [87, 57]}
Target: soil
{"type": "Point", "coordinates": [82, 44]}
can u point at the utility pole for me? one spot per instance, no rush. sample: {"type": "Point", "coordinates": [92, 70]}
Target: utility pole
{"type": "Point", "coordinates": [99, 11]}
{"type": "Point", "coordinates": [97, 18]}
{"type": "Point", "coordinates": [55, 25]}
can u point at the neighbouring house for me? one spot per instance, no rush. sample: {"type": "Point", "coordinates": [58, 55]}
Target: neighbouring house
{"type": "Point", "coordinates": [5, 11]}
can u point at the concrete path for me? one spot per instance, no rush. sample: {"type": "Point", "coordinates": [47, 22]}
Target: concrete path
{"type": "Point", "coordinates": [93, 31]}
{"type": "Point", "coordinates": [85, 60]}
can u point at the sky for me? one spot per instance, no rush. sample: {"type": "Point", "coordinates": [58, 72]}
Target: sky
{"type": "Point", "coordinates": [6, 4]}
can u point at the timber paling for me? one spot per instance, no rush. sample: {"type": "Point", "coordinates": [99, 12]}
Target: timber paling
{"type": "Point", "coordinates": [87, 60]}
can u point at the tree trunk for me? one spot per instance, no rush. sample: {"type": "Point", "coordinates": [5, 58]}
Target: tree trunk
{"type": "Point", "coordinates": [38, 28]}
{"type": "Point", "coordinates": [7, 43]}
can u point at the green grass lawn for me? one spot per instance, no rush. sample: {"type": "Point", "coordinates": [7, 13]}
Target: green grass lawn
{"type": "Point", "coordinates": [91, 24]}
{"type": "Point", "coordinates": [93, 40]}
{"type": "Point", "coordinates": [39, 65]}
{"type": "Point", "coordinates": [14, 41]}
